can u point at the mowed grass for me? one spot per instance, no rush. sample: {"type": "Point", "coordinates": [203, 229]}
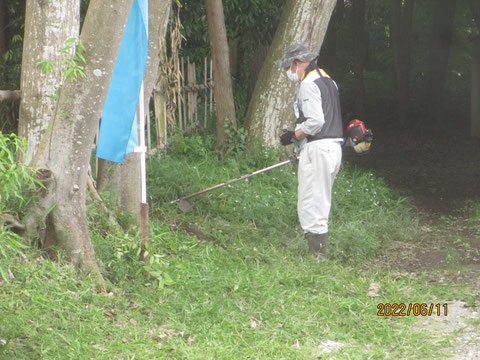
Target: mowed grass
{"type": "Point", "coordinates": [230, 280]}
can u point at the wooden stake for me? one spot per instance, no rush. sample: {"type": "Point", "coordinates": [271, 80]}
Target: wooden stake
{"type": "Point", "coordinates": [206, 93]}
{"type": "Point", "coordinates": [211, 88]}
{"type": "Point", "coordinates": [184, 105]}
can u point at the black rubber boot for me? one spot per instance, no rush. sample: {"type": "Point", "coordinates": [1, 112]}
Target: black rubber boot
{"type": "Point", "coordinates": [317, 244]}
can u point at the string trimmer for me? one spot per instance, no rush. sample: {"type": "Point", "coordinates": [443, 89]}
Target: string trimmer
{"type": "Point", "coordinates": [185, 206]}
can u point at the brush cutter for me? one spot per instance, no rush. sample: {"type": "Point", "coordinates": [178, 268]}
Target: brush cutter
{"type": "Point", "coordinates": [185, 206]}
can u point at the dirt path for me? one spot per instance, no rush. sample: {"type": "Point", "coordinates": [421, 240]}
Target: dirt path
{"type": "Point", "coordinates": [443, 177]}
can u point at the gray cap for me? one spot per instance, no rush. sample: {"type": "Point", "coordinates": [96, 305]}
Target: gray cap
{"type": "Point", "coordinates": [296, 51]}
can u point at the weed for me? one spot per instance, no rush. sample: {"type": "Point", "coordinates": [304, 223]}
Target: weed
{"type": "Point", "coordinates": [16, 186]}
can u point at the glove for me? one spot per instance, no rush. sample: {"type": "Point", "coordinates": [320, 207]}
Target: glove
{"type": "Point", "coordinates": [287, 137]}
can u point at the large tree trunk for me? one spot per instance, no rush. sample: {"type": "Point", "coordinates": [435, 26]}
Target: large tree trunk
{"type": "Point", "coordinates": [401, 39]}
{"type": "Point", "coordinates": [3, 29]}
{"type": "Point", "coordinates": [271, 106]}
{"type": "Point", "coordinates": [223, 91]}
{"type": "Point", "coordinates": [64, 153]}
{"type": "Point", "coordinates": [475, 95]}
{"type": "Point", "coordinates": [360, 57]}
{"type": "Point", "coordinates": [328, 55]}
{"type": "Point", "coordinates": [48, 26]}
{"type": "Point", "coordinates": [438, 57]}
{"type": "Point", "coordinates": [123, 181]}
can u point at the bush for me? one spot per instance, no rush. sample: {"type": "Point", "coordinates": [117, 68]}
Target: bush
{"type": "Point", "coordinates": [16, 183]}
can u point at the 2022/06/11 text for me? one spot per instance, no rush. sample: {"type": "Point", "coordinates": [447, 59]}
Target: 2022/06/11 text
{"type": "Point", "coordinates": [416, 309]}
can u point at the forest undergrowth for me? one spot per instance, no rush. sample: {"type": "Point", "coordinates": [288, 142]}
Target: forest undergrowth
{"type": "Point", "coordinates": [232, 279]}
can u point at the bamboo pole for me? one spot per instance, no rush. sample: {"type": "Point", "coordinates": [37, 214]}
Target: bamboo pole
{"type": "Point", "coordinates": [190, 94]}
{"type": "Point", "coordinates": [195, 96]}
{"type": "Point", "coordinates": [179, 98]}
{"type": "Point", "coordinates": [211, 88]}
{"type": "Point", "coordinates": [206, 93]}
{"type": "Point", "coordinates": [184, 105]}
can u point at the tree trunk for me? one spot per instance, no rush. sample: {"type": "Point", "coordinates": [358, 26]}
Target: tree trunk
{"type": "Point", "coordinates": [401, 41]}
{"type": "Point", "coordinates": [475, 9]}
{"type": "Point", "coordinates": [223, 91]}
{"type": "Point", "coordinates": [47, 28]}
{"type": "Point", "coordinates": [328, 55]}
{"type": "Point", "coordinates": [271, 106]}
{"type": "Point", "coordinates": [438, 57]}
{"type": "Point", "coordinates": [3, 29]}
{"type": "Point", "coordinates": [123, 181]}
{"type": "Point", "coordinates": [475, 95]}
{"type": "Point", "coordinates": [64, 154]}
{"type": "Point", "coordinates": [360, 57]}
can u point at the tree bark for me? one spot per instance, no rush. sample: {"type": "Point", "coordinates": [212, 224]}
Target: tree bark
{"type": "Point", "coordinates": [401, 41]}
{"type": "Point", "coordinates": [475, 9]}
{"type": "Point", "coordinates": [328, 55]}
{"type": "Point", "coordinates": [223, 91]}
{"type": "Point", "coordinates": [271, 106]}
{"type": "Point", "coordinates": [64, 154]}
{"type": "Point", "coordinates": [48, 26]}
{"type": "Point", "coordinates": [475, 94]}
{"type": "Point", "coordinates": [360, 57]}
{"type": "Point", "coordinates": [123, 181]}
{"type": "Point", "coordinates": [3, 29]}
{"type": "Point", "coordinates": [438, 57]}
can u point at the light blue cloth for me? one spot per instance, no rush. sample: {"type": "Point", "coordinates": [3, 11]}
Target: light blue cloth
{"type": "Point", "coordinates": [118, 128]}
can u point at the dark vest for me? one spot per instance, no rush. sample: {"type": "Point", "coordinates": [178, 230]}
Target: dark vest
{"type": "Point", "coordinates": [333, 127]}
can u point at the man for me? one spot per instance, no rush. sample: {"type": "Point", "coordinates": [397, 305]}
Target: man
{"type": "Point", "coordinates": [318, 136]}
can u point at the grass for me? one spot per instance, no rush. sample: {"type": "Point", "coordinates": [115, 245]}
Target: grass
{"type": "Point", "coordinates": [231, 280]}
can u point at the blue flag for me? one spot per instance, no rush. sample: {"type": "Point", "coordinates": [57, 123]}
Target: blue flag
{"type": "Point", "coordinates": [118, 128]}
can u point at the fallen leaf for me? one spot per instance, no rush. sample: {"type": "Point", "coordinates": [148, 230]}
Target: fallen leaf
{"type": "Point", "coordinates": [110, 314]}
{"type": "Point", "coordinates": [373, 290]}
{"type": "Point", "coordinates": [10, 274]}
{"type": "Point", "coordinates": [297, 344]}
{"type": "Point", "coordinates": [133, 322]}
{"type": "Point", "coordinates": [125, 340]}
{"type": "Point", "coordinates": [253, 323]}
{"type": "Point", "coordinates": [190, 340]}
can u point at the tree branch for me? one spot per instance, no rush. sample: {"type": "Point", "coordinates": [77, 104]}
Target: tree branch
{"type": "Point", "coordinates": [10, 95]}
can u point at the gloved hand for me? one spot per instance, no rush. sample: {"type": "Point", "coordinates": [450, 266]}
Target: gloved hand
{"type": "Point", "coordinates": [287, 137]}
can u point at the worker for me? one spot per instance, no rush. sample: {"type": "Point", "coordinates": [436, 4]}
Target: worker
{"type": "Point", "coordinates": [318, 136]}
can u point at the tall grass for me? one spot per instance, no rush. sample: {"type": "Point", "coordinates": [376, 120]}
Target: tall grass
{"type": "Point", "coordinates": [366, 214]}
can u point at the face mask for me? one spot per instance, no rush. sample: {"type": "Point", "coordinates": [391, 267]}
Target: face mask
{"type": "Point", "coordinates": [293, 76]}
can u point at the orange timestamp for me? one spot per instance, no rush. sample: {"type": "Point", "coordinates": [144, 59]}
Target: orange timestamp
{"type": "Point", "coordinates": [416, 309]}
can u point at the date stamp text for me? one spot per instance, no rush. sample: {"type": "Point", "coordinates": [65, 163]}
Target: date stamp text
{"type": "Point", "coordinates": [387, 309]}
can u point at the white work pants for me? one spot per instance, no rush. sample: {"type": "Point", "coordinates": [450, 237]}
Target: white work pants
{"type": "Point", "coordinates": [319, 164]}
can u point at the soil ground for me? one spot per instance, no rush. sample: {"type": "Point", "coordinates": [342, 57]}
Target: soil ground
{"type": "Point", "coordinates": [442, 174]}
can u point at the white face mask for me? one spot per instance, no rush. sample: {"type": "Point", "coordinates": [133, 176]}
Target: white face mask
{"type": "Point", "coordinates": [293, 76]}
